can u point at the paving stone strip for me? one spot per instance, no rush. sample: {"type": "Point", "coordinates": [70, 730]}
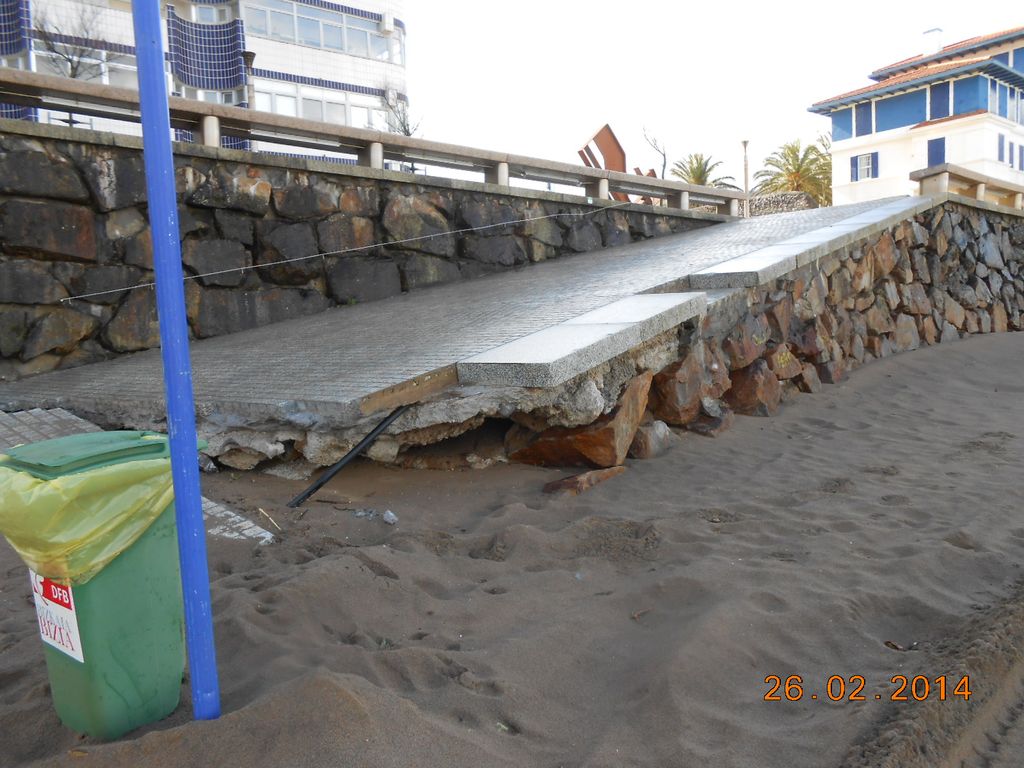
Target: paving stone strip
{"type": "Point", "coordinates": [35, 425]}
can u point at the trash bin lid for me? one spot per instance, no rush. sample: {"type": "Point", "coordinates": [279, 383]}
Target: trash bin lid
{"type": "Point", "coordinates": [78, 453]}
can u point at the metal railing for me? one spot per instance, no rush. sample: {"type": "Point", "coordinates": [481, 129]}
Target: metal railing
{"type": "Point", "coordinates": [946, 178]}
{"type": "Point", "coordinates": [371, 148]}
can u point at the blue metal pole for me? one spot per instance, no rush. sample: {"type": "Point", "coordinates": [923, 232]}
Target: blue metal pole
{"type": "Point", "coordinates": [170, 299]}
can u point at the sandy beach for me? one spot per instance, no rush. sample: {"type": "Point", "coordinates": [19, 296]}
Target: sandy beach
{"type": "Point", "coordinates": [858, 533]}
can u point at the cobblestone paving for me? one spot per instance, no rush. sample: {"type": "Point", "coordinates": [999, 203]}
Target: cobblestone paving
{"type": "Point", "coordinates": [36, 425]}
{"type": "Point", "coordinates": [347, 353]}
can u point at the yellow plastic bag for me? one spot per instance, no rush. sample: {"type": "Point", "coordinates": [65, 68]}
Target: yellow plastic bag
{"type": "Point", "coordinates": [70, 527]}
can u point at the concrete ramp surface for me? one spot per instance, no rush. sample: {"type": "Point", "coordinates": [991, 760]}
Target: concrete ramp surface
{"type": "Point", "coordinates": [533, 327]}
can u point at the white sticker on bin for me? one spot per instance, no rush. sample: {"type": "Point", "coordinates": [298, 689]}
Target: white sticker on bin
{"type": "Point", "coordinates": [55, 609]}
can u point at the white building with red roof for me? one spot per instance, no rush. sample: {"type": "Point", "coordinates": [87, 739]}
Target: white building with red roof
{"type": "Point", "coordinates": [962, 104]}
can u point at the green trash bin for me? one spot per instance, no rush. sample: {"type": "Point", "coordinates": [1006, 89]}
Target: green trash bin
{"type": "Point", "coordinates": [93, 517]}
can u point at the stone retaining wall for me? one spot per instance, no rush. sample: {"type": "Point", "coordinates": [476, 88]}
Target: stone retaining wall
{"type": "Point", "coordinates": [73, 221]}
{"type": "Point", "coordinates": [781, 202]}
{"type": "Point", "coordinates": [950, 272]}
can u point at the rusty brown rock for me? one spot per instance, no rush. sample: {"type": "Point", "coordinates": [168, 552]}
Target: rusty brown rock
{"type": "Point", "coordinates": [783, 363]}
{"type": "Point", "coordinates": [984, 321]}
{"type": "Point", "coordinates": [971, 324]}
{"type": "Point", "coordinates": [831, 372]}
{"type": "Point", "coordinates": [840, 287]}
{"type": "Point", "coordinates": [718, 370]}
{"type": "Point", "coordinates": [651, 440]}
{"type": "Point", "coordinates": [954, 312]}
{"type": "Point", "coordinates": [60, 331]}
{"type": "Point", "coordinates": [879, 346]}
{"type": "Point", "coordinates": [906, 336]}
{"type": "Point", "coordinates": [755, 390]}
{"type": "Point", "coordinates": [904, 271]}
{"type": "Point", "coordinates": [712, 426]}
{"type": "Point", "coordinates": [863, 301]}
{"type": "Point", "coordinates": [862, 277]}
{"type": "Point", "coordinates": [677, 390]}
{"type": "Point", "coordinates": [49, 230]}
{"type": "Point", "coordinates": [878, 319]}
{"type": "Point", "coordinates": [604, 443]}
{"type": "Point", "coordinates": [890, 294]}
{"type": "Point", "coordinates": [359, 201]}
{"type": "Point", "coordinates": [747, 341]}
{"type": "Point", "coordinates": [135, 325]}
{"type": "Point", "coordinates": [780, 318]}
{"type": "Point", "coordinates": [884, 256]}
{"type": "Point", "coordinates": [914, 299]}
{"type": "Point", "coordinates": [1000, 320]}
{"type": "Point", "coordinates": [812, 302]}
{"type": "Point", "coordinates": [419, 224]}
{"type": "Point", "coordinates": [928, 330]}
{"type": "Point", "coordinates": [811, 341]}
{"type": "Point", "coordinates": [577, 484]}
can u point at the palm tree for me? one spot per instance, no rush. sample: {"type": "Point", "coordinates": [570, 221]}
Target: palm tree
{"type": "Point", "coordinates": [697, 169]}
{"type": "Point", "coordinates": [795, 168]}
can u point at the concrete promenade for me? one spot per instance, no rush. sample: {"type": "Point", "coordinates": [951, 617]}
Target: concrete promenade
{"type": "Point", "coordinates": [352, 361]}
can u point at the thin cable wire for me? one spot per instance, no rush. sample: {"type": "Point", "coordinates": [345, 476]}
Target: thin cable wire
{"type": "Point", "coordinates": [324, 254]}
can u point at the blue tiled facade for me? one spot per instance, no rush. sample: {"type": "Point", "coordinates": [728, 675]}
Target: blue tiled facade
{"type": "Point", "coordinates": [286, 77]}
{"type": "Point", "coordinates": [15, 26]}
{"type": "Point", "coordinates": [204, 54]}
{"type": "Point", "coordinates": [207, 56]}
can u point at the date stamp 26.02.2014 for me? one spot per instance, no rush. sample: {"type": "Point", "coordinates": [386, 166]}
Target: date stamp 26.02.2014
{"type": "Point", "coordinates": [851, 688]}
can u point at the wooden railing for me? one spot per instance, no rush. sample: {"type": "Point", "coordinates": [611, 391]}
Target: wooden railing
{"type": "Point", "coordinates": [371, 148]}
{"type": "Point", "coordinates": [946, 178]}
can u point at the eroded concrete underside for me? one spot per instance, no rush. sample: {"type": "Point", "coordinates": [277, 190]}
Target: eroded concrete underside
{"type": "Point", "coordinates": [554, 345]}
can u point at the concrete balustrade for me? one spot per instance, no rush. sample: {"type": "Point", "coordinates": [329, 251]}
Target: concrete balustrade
{"type": "Point", "coordinates": [211, 131]}
{"type": "Point", "coordinates": [372, 148]}
{"type": "Point", "coordinates": [954, 179]}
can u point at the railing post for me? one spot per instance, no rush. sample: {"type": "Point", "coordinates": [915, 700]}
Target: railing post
{"type": "Point", "coordinates": [979, 191]}
{"type": "Point", "coordinates": [372, 155]}
{"type": "Point", "coordinates": [597, 188]}
{"type": "Point", "coordinates": [680, 200]}
{"type": "Point", "coordinates": [934, 185]}
{"type": "Point", "coordinates": [1018, 201]}
{"type": "Point", "coordinates": [211, 130]}
{"type": "Point", "coordinates": [734, 207]}
{"type": "Point", "coordinates": [497, 174]}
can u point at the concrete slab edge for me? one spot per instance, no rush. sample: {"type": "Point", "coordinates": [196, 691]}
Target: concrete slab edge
{"type": "Point", "coordinates": [581, 359]}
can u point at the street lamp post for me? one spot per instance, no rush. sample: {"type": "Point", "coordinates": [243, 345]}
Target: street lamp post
{"type": "Point", "coordinates": [746, 182]}
{"type": "Point", "coordinates": [248, 57]}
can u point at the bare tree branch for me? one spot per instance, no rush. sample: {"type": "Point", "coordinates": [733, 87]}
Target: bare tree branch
{"type": "Point", "coordinates": [71, 46]}
{"type": "Point", "coordinates": [399, 119]}
{"type": "Point", "coordinates": [658, 147]}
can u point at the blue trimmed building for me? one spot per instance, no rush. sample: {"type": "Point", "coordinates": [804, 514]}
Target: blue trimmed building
{"type": "Point", "coordinates": [320, 60]}
{"type": "Point", "coordinates": [962, 104]}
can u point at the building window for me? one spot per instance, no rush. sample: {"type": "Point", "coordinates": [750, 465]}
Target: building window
{"type": "Point", "coordinates": [936, 152]}
{"type": "Point", "coordinates": [939, 101]}
{"type": "Point", "coordinates": [321, 28]}
{"type": "Point", "coordinates": [1001, 151]}
{"type": "Point", "coordinates": [863, 119]}
{"type": "Point", "coordinates": [211, 97]}
{"type": "Point", "coordinates": [864, 167]}
{"type": "Point", "coordinates": [322, 105]}
{"type": "Point", "coordinates": [209, 14]}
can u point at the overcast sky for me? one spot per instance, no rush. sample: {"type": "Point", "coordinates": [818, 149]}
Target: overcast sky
{"type": "Point", "coordinates": [540, 78]}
